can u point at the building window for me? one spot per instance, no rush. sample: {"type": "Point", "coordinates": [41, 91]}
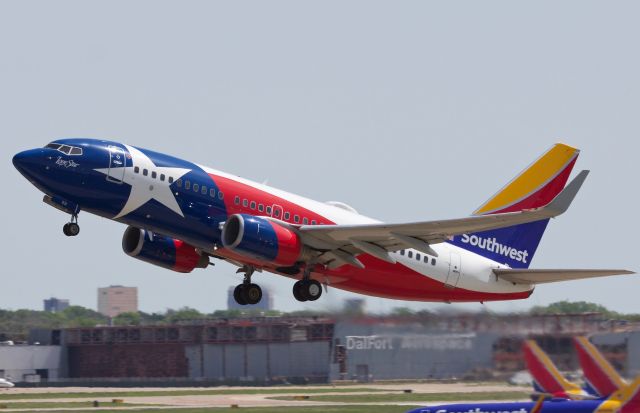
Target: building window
{"type": "Point", "coordinates": [154, 174]}
{"type": "Point", "coordinates": [236, 200]}
{"type": "Point", "coordinates": [212, 192]}
{"type": "Point", "coordinates": [253, 204]}
{"type": "Point", "coordinates": [196, 187]}
{"type": "Point", "coordinates": [136, 169]}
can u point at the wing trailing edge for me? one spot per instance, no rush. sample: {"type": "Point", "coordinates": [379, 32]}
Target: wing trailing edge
{"type": "Point", "coordinates": [542, 276]}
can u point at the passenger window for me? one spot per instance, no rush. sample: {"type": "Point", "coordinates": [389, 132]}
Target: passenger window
{"type": "Point", "coordinates": [401, 252]}
{"type": "Point", "coordinates": [417, 256]}
{"type": "Point", "coordinates": [212, 192]}
{"type": "Point", "coordinates": [220, 195]}
{"type": "Point", "coordinates": [433, 261]}
{"type": "Point", "coordinates": [305, 220]}
{"type": "Point", "coordinates": [162, 177]}
{"type": "Point", "coordinates": [269, 210]}
{"type": "Point", "coordinates": [276, 213]}
{"type": "Point", "coordinates": [253, 204]}
{"type": "Point", "coordinates": [203, 190]}
{"type": "Point", "coordinates": [410, 254]}
{"type": "Point", "coordinates": [296, 219]}
{"type": "Point", "coordinates": [236, 200]}
{"type": "Point", "coordinates": [179, 183]}
{"type": "Point", "coordinates": [426, 259]}
{"type": "Point", "coordinates": [154, 174]}
{"type": "Point", "coordinates": [287, 216]}
{"type": "Point", "coordinates": [313, 222]}
{"type": "Point", "coordinates": [245, 203]}
{"type": "Point", "coordinates": [196, 187]}
{"type": "Point", "coordinates": [171, 179]}
{"type": "Point", "coordinates": [136, 169]}
{"type": "Point", "coordinates": [187, 185]}
{"type": "Point", "coordinates": [145, 172]}
{"type": "Point", "coordinates": [260, 207]}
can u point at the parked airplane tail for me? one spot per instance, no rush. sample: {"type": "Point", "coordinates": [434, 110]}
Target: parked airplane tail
{"type": "Point", "coordinates": [534, 187]}
{"type": "Point", "coordinates": [598, 372]}
{"type": "Point", "coordinates": [547, 378]}
{"type": "Point", "coordinates": [628, 398]}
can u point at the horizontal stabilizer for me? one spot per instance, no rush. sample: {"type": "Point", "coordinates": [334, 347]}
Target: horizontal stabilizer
{"type": "Point", "coordinates": [527, 276]}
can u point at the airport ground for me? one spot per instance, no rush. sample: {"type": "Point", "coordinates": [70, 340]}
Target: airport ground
{"type": "Point", "coordinates": [344, 398]}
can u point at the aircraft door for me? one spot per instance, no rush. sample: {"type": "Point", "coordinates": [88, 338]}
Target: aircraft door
{"type": "Point", "coordinates": [117, 164]}
{"type": "Point", "coordinates": [277, 211]}
{"type": "Point", "coordinates": [455, 270]}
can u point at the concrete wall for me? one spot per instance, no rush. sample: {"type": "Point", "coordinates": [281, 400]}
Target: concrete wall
{"type": "Point", "coordinates": [19, 361]}
{"type": "Point", "coordinates": [628, 340]}
{"type": "Point", "coordinates": [411, 351]}
{"type": "Point", "coordinates": [259, 361]}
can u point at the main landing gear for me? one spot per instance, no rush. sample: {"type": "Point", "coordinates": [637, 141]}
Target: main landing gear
{"type": "Point", "coordinates": [71, 229]}
{"type": "Point", "coordinates": [307, 289]}
{"type": "Point", "coordinates": [247, 292]}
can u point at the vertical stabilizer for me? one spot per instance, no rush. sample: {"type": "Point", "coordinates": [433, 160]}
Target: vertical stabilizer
{"type": "Point", "coordinates": [534, 187]}
{"type": "Point", "coordinates": [546, 375]}
{"type": "Point", "coordinates": [598, 372]}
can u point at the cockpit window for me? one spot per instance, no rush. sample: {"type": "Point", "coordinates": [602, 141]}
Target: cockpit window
{"type": "Point", "coordinates": [66, 149]}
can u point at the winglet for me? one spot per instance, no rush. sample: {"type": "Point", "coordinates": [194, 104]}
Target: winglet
{"type": "Point", "coordinates": [563, 200]}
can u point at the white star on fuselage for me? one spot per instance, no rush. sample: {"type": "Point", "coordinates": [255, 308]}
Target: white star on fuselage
{"type": "Point", "coordinates": [145, 188]}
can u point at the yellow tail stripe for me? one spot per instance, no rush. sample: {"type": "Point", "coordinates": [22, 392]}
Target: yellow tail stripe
{"type": "Point", "coordinates": [551, 368]}
{"type": "Point", "coordinates": [601, 361]}
{"type": "Point", "coordinates": [534, 177]}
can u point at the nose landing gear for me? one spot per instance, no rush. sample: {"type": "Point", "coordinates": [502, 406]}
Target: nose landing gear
{"type": "Point", "coordinates": [71, 229]}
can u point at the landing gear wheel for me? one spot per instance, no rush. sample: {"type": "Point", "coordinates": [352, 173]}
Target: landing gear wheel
{"type": "Point", "coordinates": [252, 293]}
{"type": "Point", "coordinates": [71, 229]}
{"type": "Point", "coordinates": [297, 291]}
{"type": "Point", "coordinates": [312, 290]}
{"type": "Point", "coordinates": [238, 294]}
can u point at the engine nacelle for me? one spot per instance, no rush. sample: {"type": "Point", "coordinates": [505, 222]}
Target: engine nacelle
{"type": "Point", "coordinates": [163, 251]}
{"type": "Point", "coordinates": [262, 239]}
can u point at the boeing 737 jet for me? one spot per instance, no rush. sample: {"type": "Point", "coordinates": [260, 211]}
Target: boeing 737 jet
{"type": "Point", "coordinates": [598, 372]}
{"type": "Point", "coordinates": [626, 400]}
{"type": "Point", "coordinates": [180, 214]}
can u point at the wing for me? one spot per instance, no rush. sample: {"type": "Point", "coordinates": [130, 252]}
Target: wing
{"type": "Point", "coordinates": [341, 243]}
{"type": "Point", "coordinates": [522, 276]}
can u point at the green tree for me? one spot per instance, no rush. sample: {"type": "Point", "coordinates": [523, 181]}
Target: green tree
{"type": "Point", "coordinates": [571, 307]}
{"type": "Point", "coordinates": [185, 313]}
{"type": "Point", "coordinates": [127, 319]}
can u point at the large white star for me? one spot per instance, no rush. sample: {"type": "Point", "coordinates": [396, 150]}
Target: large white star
{"type": "Point", "coordinates": [145, 188]}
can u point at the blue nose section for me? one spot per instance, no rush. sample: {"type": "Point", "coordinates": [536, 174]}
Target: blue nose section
{"type": "Point", "coordinates": [28, 162]}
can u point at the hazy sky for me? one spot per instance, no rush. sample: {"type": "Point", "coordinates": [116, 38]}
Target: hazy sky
{"type": "Point", "coordinates": [405, 110]}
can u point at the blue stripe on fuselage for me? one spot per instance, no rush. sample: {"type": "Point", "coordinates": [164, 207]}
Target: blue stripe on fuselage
{"type": "Point", "coordinates": [552, 406]}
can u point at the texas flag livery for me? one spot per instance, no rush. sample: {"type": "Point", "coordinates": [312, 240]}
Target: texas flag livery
{"type": "Point", "coordinates": [180, 215]}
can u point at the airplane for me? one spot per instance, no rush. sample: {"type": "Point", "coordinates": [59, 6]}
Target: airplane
{"type": "Point", "coordinates": [181, 214]}
{"type": "Point", "coordinates": [598, 372]}
{"type": "Point", "coordinates": [626, 400]}
{"type": "Point", "coordinates": [5, 384]}
{"type": "Point", "coordinates": [547, 378]}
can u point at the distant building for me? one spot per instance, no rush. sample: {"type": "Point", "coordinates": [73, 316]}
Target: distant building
{"type": "Point", "coordinates": [354, 306]}
{"type": "Point", "coordinates": [265, 304]}
{"type": "Point", "coordinates": [55, 305]}
{"type": "Point", "coordinates": [117, 299]}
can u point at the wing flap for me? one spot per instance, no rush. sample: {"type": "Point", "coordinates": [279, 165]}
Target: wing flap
{"type": "Point", "coordinates": [542, 276]}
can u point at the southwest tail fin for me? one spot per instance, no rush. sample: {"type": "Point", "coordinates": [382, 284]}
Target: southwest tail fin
{"type": "Point", "coordinates": [534, 187]}
{"type": "Point", "coordinates": [547, 378]}
{"type": "Point", "coordinates": [628, 397]}
{"type": "Point", "coordinates": [598, 372]}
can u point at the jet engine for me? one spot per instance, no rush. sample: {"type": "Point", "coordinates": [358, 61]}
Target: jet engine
{"type": "Point", "coordinates": [163, 251]}
{"type": "Point", "coordinates": [262, 239]}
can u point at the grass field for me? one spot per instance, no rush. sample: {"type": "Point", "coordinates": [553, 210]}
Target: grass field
{"type": "Point", "coordinates": [309, 409]}
{"type": "Point", "coordinates": [61, 405]}
{"type": "Point", "coordinates": [413, 397]}
{"type": "Point", "coordinates": [191, 392]}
